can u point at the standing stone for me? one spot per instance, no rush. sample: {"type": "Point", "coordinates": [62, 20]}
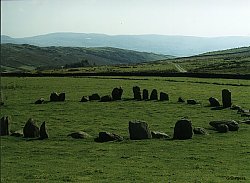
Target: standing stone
{"type": "Point", "coordinates": [4, 126]}
{"type": "Point", "coordinates": [214, 102]}
{"type": "Point", "coordinates": [137, 92]}
{"type": "Point", "coordinates": [43, 132]}
{"type": "Point", "coordinates": [117, 93]}
{"type": "Point", "coordinates": [183, 129]}
{"type": "Point", "coordinates": [154, 95]}
{"type": "Point", "coordinates": [139, 130]}
{"type": "Point", "coordinates": [31, 130]}
{"type": "Point", "coordinates": [95, 96]}
{"type": "Point", "coordinates": [226, 98]}
{"type": "Point", "coordinates": [164, 96]}
{"type": "Point", "coordinates": [145, 94]}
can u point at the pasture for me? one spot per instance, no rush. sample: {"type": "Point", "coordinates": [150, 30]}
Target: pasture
{"type": "Point", "coordinates": [217, 157]}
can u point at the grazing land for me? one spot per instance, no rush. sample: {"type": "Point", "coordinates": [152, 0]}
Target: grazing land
{"type": "Point", "coordinates": [26, 57]}
{"type": "Point", "coordinates": [217, 157]}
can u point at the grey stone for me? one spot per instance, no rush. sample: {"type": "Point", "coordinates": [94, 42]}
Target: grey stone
{"type": "Point", "coordinates": [84, 99]}
{"type": "Point", "coordinates": [200, 131]}
{"type": "Point", "coordinates": [226, 98]}
{"type": "Point", "coordinates": [231, 124]}
{"type": "Point", "coordinates": [94, 96]}
{"type": "Point", "coordinates": [183, 129]}
{"type": "Point", "coordinates": [222, 128]}
{"type": "Point", "coordinates": [106, 137]}
{"type": "Point", "coordinates": [154, 95]}
{"type": "Point", "coordinates": [117, 93]}
{"type": "Point", "coordinates": [4, 126]}
{"type": "Point", "coordinates": [31, 130]}
{"type": "Point", "coordinates": [145, 94]}
{"type": "Point", "coordinates": [192, 102]}
{"type": "Point", "coordinates": [181, 100]}
{"type": "Point", "coordinates": [18, 133]}
{"type": "Point", "coordinates": [106, 98]}
{"type": "Point", "coordinates": [159, 135]}
{"type": "Point", "coordinates": [139, 130]}
{"type": "Point", "coordinates": [164, 96]}
{"type": "Point", "coordinates": [214, 102]}
{"type": "Point", "coordinates": [40, 101]}
{"type": "Point", "coordinates": [43, 131]}
{"type": "Point", "coordinates": [79, 135]}
{"type": "Point", "coordinates": [137, 92]}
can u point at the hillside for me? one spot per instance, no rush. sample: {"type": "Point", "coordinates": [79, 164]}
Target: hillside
{"type": "Point", "coordinates": [226, 61]}
{"type": "Point", "coordinates": [161, 44]}
{"type": "Point", "coordinates": [16, 57]}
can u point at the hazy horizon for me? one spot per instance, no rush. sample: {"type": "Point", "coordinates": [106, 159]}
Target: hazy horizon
{"type": "Point", "coordinates": [26, 18]}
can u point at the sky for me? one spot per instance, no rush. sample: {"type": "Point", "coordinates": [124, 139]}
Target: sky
{"type": "Point", "coordinates": [204, 18]}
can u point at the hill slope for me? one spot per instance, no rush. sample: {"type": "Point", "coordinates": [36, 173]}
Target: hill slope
{"type": "Point", "coordinates": [161, 44]}
{"type": "Point", "coordinates": [28, 57]}
{"type": "Point", "coordinates": [226, 61]}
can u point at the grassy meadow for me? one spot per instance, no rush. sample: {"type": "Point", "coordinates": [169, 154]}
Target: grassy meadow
{"type": "Point", "coordinates": [212, 158]}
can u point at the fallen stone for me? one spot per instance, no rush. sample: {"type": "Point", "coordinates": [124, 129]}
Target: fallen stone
{"type": "Point", "coordinates": [231, 124]}
{"type": "Point", "coordinates": [84, 99]}
{"type": "Point", "coordinates": [40, 101]}
{"type": "Point", "coordinates": [106, 137]}
{"type": "Point", "coordinates": [222, 128]}
{"type": "Point", "coordinates": [18, 133]}
{"type": "Point", "coordinates": [192, 102]}
{"type": "Point", "coordinates": [200, 131]}
{"type": "Point", "coordinates": [181, 100]}
{"type": "Point", "coordinates": [106, 98]}
{"type": "Point", "coordinates": [159, 135]}
{"type": "Point", "coordinates": [214, 102]}
{"type": "Point", "coordinates": [79, 135]}
{"type": "Point", "coordinates": [94, 97]}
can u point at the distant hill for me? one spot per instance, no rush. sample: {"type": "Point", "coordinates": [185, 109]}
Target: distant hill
{"type": "Point", "coordinates": [161, 44]}
{"type": "Point", "coordinates": [19, 57]}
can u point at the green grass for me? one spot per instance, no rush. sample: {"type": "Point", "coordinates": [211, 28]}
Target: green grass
{"type": "Point", "coordinates": [213, 158]}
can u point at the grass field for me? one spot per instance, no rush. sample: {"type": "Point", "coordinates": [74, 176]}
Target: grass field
{"type": "Point", "coordinates": [213, 158]}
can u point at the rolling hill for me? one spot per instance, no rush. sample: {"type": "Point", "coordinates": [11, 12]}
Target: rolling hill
{"type": "Point", "coordinates": [235, 61]}
{"type": "Point", "coordinates": [18, 57]}
{"type": "Point", "coordinates": [160, 44]}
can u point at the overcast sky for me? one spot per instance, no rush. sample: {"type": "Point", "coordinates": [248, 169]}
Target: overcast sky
{"type": "Point", "coordinates": [207, 18]}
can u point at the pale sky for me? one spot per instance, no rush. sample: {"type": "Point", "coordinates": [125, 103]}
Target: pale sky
{"type": "Point", "coordinates": [206, 18]}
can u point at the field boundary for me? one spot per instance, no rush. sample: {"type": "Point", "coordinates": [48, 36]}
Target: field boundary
{"type": "Point", "coordinates": [160, 74]}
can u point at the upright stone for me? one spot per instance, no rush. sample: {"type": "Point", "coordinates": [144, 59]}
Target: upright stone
{"type": "Point", "coordinates": [117, 93]}
{"type": "Point", "coordinates": [31, 130]}
{"type": "Point", "coordinates": [145, 94]}
{"type": "Point", "coordinates": [164, 96]}
{"type": "Point", "coordinates": [154, 95]}
{"type": "Point", "coordinates": [139, 130]}
{"type": "Point", "coordinates": [4, 126]}
{"type": "Point", "coordinates": [137, 92]}
{"type": "Point", "coordinates": [43, 131]}
{"type": "Point", "coordinates": [226, 98]}
{"type": "Point", "coordinates": [183, 129]}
